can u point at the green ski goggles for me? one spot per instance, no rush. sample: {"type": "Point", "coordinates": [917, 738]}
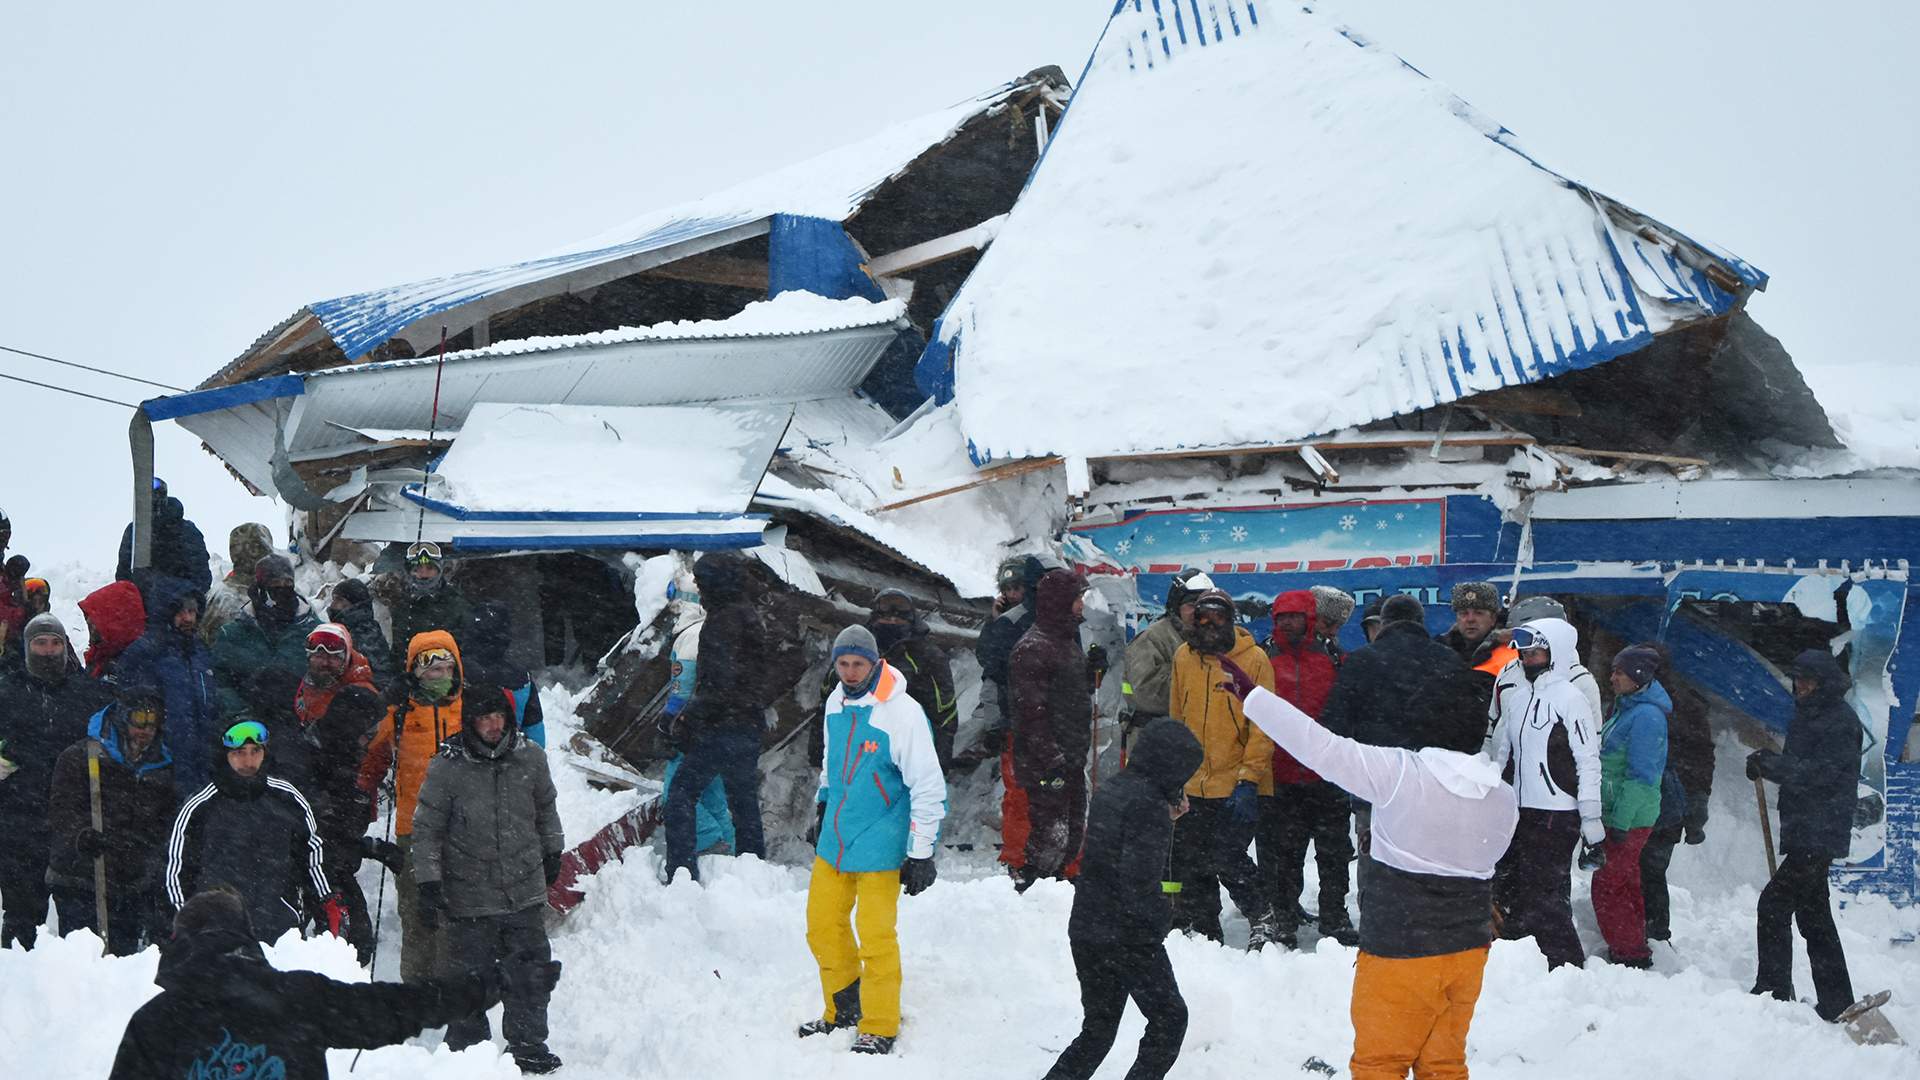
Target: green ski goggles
{"type": "Point", "coordinates": [244, 732]}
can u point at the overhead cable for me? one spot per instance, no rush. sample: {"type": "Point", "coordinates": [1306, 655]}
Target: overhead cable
{"type": "Point", "coordinates": [95, 370]}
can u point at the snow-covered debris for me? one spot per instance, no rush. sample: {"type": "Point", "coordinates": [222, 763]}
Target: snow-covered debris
{"type": "Point", "coordinates": [1253, 236]}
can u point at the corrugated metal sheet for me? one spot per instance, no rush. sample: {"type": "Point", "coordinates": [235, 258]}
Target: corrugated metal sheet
{"type": "Point", "coordinates": [1339, 230]}
{"type": "Point", "coordinates": [832, 185]}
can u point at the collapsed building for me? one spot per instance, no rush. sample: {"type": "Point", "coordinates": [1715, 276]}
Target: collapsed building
{"type": "Point", "coordinates": [1259, 298]}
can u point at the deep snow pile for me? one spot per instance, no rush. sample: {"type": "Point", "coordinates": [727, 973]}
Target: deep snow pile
{"type": "Point", "coordinates": [709, 981]}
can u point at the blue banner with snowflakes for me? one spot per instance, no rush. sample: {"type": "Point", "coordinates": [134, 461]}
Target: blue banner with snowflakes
{"type": "Point", "coordinates": [1317, 537]}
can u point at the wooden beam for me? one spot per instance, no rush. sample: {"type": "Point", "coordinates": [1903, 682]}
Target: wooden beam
{"type": "Point", "coordinates": [1530, 400]}
{"type": "Point", "coordinates": [709, 268]}
{"type": "Point", "coordinates": [1004, 472]}
{"type": "Point", "coordinates": [939, 249]}
{"type": "Point", "coordinates": [1632, 455]}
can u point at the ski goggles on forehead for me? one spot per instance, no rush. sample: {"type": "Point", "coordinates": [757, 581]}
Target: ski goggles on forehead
{"type": "Point", "coordinates": [425, 553]}
{"type": "Point", "coordinates": [1524, 639]}
{"type": "Point", "coordinates": [244, 732]}
{"type": "Point", "coordinates": [322, 648]}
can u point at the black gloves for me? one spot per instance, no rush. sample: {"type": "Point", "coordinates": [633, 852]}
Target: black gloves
{"type": "Point", "coordinates": [522, 975]}
{"type": "Point", "coordinates": [1696, 834]}
{"type": "Point", "coordinates": [819, 823]}
{"type": "Point", "coordinates": [551, 865]}
{"type": "Point", "coordinates": [430, 903]}
{"type": "Point", "coordinates": [91, 842]}
{"type": "Point", "coordinates": [916, 875]}
{"type": "Point", "coordinates": [385, 852]}
{"type": "Point", "coordinates": [1097, 665]}
{"type": "Point", "coordinates": [1592, 856]}
{"type": "Point", "coordinates": [1759, 763]}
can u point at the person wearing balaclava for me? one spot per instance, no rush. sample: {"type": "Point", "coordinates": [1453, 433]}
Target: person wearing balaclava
{"type": "Point", "coordinates": [351, 605]}
{"type": "Point", "coordinates": [428, 602]}
{"type": "Point", "coordinates": [1052, 710]}
{"type": "Point", "coordinates": [272, 634]}
{"type": "Point", "coordinates": [903, 638]}
{"type": "Point", "coordinates": [246, 546]}
{"type": "Point", "coordinates": [171, 656]}
{"type": "Point", "coordinates": [178, 550]}
{"type": "Point", "coordinates": [1551, 751]}
{"type": "Point", "coordinates": [44, 706]}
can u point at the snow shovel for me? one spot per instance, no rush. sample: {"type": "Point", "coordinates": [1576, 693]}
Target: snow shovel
{"type": "Point", "coordinates": [1766, 825]}
{"type": "Point", "coordinates": [100, 860]}
{"type": "Point", "coordinates": [1867, 1025]}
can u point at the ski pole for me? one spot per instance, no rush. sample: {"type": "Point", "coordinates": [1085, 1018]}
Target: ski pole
{"type": "Point", "coordinates": [1766, 824]}
{"type": "Point", "coordinates": [99, 820]}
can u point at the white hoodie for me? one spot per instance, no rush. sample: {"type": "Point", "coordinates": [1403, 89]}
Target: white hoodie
{"type": "Point", "coordinates": [1540, 713]}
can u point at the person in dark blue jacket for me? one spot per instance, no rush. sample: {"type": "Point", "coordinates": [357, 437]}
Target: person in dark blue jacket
{"type": "Point", "coordinates": [178, 552]}
{"type": "Point", "coordinates": [171, 656]}
{"type": "Point", "coordinates": [1818, 772]}
{"type": "Point", "coordinates": [484, 645]}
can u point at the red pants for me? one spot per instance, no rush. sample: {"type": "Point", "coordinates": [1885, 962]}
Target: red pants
{"type": "Point", "coordinates": [1617, 901]}
{"type": "Point", "coordinates": [1013, 814]}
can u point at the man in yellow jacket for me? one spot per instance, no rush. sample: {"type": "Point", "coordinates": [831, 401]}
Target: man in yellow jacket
{"type": "Point", "coordinates": [425, 710]}
{"type": "Point", "coordinates": [1210, 841]}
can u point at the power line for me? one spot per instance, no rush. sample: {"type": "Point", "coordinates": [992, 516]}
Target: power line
{"type": "Point", "coordinates": [64, 390]}
{"type": "Point", "coordinates": [95, 370]}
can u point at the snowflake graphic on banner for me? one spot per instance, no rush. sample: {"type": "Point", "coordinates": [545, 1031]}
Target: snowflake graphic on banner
{"type": "Point", "coordinates": [1239, 534]}
{"type": "Point", "coordinates": [1123, 546]}
{"type": "Point", "coordinates": [1380, 525]}
{"type": "Point", "coordinates": [1348, 522]}
{"type": "Point", "coordinates": [1206, 536]}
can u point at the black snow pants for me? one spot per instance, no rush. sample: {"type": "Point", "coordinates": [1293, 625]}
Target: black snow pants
{"type": "Point", "coordinates": [1533, 885]}
{"type": "Point", "coordinates": [1798, 893]}
{"type": "Point", "coordinates": [1655, 857]}
{"type": "Point", "coordinates": [1296, 815]}
{"type": "Point", "coordinates": [1210, 850]}
{"type": "Point", "coordinates": [732, 753]}
{"type": "Point", "coordinates": [478, 943]}
{"type": "Point", "coordinates": [1109, 975]}
{"type": "Point", "coordinates": [23, 885]}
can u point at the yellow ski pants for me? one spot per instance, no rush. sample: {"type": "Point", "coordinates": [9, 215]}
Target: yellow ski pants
{"type": "Point", "coordinates": [838, 905]}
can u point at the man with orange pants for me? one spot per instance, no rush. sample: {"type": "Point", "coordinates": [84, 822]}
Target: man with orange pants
{"type": "Point", "coordinates": [1441, 819]}
{"type": "Point", "coordinates": [882, 797]}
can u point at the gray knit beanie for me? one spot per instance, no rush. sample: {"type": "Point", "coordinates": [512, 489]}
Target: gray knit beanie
{"type": "Point", "coordinates": [857, 640]}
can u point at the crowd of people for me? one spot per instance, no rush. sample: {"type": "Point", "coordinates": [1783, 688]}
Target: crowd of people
{"type": "Point", "coordinates": [206, 777]}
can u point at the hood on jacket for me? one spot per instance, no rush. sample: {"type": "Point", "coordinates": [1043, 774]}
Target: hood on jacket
{"type": "Point", "coordinates": [248, 544]}
{"type": "Point", "coordinates": [218, 963]}
{"type": "Point", "coordinates": [1469, 776]}
{"type": "Point", "coordinates": [489, 634]}
{"type": "Point", "coordinates": [1167, 755]}
{"type": "Point", "coordinates": [437, 639]}
{"type": "Point", "coordinates": [468, 738]}
{"type": "Point", "coordinates": [118, 614]}
{"type": "Point", "coordinates": [1058, 589]}
{"type": "Point", "coordinates": [108, 727]}
{"type": "Point", "coordinates": [1563, 645]}
{"type": "Point", "coordinates": [889, 634]}
{"type": "Point", "coordinates": [169, 595]}
{"type": "Point", "coordinates": [1651, 694]}
{"type": "Point", "coordinates": [1820, 666]}
{"type": "Point", "coordinates": [723, 577]}
{"type": "Point", "coordinates": [1296, 602]}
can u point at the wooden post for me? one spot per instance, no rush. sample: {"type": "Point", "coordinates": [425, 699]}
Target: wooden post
{"type": "Point", "coordinates": [99, 824]}
{"type": "Point", "coordinates": [1766, 825]}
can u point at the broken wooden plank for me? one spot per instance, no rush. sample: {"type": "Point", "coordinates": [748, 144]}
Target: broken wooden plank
{"type": "Point", "coordinates": [1632, 455]}
{"type": "Point", "coordinates": [1527, 400]}
{"type": "Point", "coordinates": [940, 248]}
{"type": "Point", "coordinates": [1003, 472]}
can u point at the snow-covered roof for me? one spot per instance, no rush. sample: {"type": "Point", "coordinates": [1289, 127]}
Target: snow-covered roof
{"type": "Point", "coordinates": [1258, 227]}
{"type": "Point", "coordinates": [832, 185]}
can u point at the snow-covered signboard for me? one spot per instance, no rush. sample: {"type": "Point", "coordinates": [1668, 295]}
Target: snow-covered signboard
{"type": "Point", "coordinates": [1314, 538]}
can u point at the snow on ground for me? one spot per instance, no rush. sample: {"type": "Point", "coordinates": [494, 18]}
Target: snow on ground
{"type": "Point", "coordinates": [710, 981]}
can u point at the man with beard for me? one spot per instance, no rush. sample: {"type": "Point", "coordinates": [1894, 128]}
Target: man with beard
{"type": "Point", "coordinates": [1210, 842]}
{"type": "Point", "coordinates": [44, 706]}
{"type": "Point", "coordinates": [1148, 661]}
{"type": "Point", "coordinates": [902, 636]}
{"type": "Point", "coordinates": [170, 656]}
{"type": "Point", "coordinates": [272, 636]}
{"type": "Point", "coordinates": [246, 546]}
{"type": "Point", "coordinates": [116, 616]}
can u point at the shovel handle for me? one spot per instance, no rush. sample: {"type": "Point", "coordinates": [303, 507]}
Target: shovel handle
{"type": "Point", "coordinates": [1766, 825]}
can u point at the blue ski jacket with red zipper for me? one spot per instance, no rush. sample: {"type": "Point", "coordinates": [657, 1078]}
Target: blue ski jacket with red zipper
{"type": "Point", "coordinates": [880, 779]}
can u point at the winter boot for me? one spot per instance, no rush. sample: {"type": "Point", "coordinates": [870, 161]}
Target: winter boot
{"type": "Point", "coordinates": [1265, 930]}
{"type": "Point", "coordinates": [1023, 877]}
{"type": "Point", "coordinates": [846, 1012]}
{"type": "Point", "coordinates": [1340, 929]}
{"type": "Point", "coordinates": [872, 1044]}
{"type": "Point", "coordinates": [536, 1060]}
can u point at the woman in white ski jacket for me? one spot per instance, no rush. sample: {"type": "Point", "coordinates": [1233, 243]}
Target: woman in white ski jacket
{"type": "Point", "coordinates": [1550, 746]}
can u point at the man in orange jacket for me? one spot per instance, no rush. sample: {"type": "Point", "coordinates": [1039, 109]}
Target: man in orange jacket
{"type": "Point", "coordinates": [1210, 842]}
{"type": "Point", "coordinates": [425, 710]}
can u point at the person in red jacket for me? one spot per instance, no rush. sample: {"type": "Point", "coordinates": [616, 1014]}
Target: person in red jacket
{"type": "Point", "coordinates": [1052, 710]}
{"type": "Point", "coordinates": [116, 617]}
{"type": "Point", "coordinates": [1303, 808]}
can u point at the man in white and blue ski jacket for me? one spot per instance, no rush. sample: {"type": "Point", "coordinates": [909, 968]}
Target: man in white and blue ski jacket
{"type": "Point", "coordinates": [882, 797]}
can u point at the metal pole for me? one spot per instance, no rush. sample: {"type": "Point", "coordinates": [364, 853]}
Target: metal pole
{"type": "Point", "coordinates": [140, 441]}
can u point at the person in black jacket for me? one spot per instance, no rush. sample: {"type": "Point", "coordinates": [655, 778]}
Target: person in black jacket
{"type": "Point", "coordinates": [136, 803]}
{"type": "Point", "coordinates": [223, 1011]}
{"type": "Point", "coordinates": [724, 722]}
{"type": "Point", "coordinates": [351, 605]}
{"type": "Point", "coordinates": [1121, 911]}
{"type": "Point", "coordinates": [1818, 772]}
{"type": "Point", "coordinates": [44, 706]}
{"type": "Point", "coordinates": [903, 639]}
{"type": "Point", "coordinates": [484, 648]}
{"type": "Point", "coordinates": [256, 833]}
{"type": "Point", "coordinates": [1051, 705]}
{"type": "Point", "coordinates": [342, 810]}
{"type": "Point", "coordinates": [1376, 685]}
{"type": "Point", "coordinates": [178, 550]}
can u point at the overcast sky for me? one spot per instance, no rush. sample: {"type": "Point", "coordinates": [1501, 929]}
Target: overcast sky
{"type": "Point", "coordinates": [178, 178]}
